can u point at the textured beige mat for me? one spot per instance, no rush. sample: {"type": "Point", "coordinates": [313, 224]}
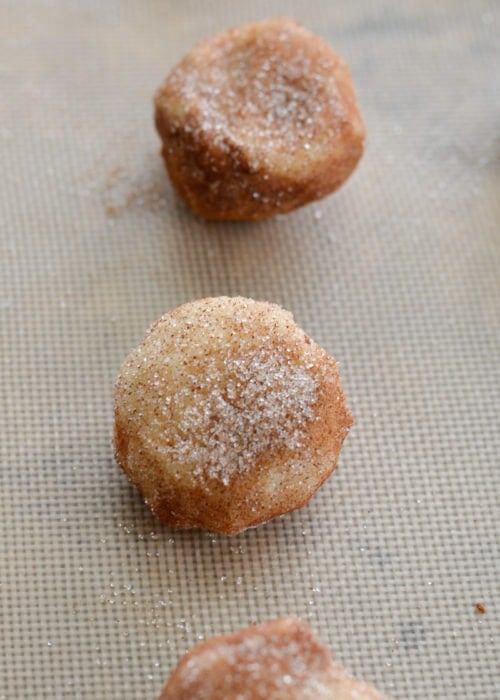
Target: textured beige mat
{"type": "Point", "coordinates": [397, 275]}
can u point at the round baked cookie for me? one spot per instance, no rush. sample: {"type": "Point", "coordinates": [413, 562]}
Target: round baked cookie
{"type": "Point", "coordinates": [228, 415]}
{"type": "Point", "coordinates": [258, 120]}
{"type": "Point", "coordinates": [278, 660]}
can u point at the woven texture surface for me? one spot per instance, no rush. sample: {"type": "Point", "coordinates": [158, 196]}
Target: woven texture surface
{"type": "Point", "coordinates": [396, 275]}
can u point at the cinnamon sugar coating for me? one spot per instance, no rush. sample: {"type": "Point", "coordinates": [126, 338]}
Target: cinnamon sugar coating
{"type": "Point", "coordinates": [258, 120]}
{"type": "Point", "coordinates": [277, 660]}
{"type": "Point", "coordinates": [228, 415]}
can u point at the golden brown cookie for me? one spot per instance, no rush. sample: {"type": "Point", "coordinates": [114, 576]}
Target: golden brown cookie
{"type": "Point", "coordinates": [278, 660]}
{"type": "Point", "coordinates": [258, 120]}
{"type": "Point", "coordinates": [228, 415]}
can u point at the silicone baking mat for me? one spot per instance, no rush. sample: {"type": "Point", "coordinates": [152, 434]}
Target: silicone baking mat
{"type": "Point", "coordinates": [396, 275]}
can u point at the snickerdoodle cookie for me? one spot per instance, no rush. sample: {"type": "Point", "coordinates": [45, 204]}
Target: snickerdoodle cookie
{"type": "Point", "coordinates": [277, 660]}
{"type": "Point", "coordinates": [258, 120]}
{"type": "Point", "coordinates": [228, 415]}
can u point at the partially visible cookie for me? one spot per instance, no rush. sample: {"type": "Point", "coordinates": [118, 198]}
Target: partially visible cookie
{"type": "Point", "coordinates": [278, 660]}
{"type": "Point", "coordinates": [258, 120]}
{"type": "Point", "coordinates": [228, 415]}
